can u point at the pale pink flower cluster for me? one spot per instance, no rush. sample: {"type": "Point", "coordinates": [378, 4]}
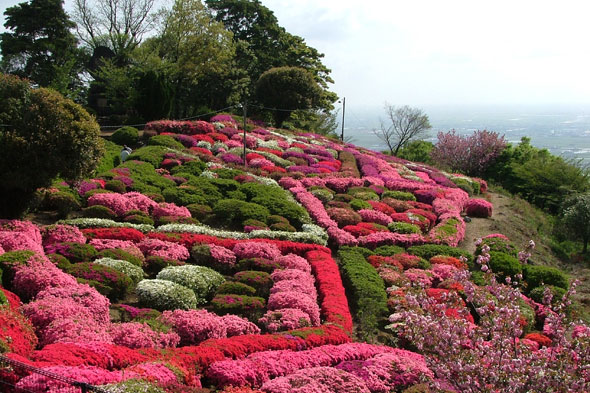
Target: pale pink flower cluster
{"type": "Point", "coordinates": [61, 234]}
{"type": "Point", "coordinates": [443, 271]}
{"type": "Point", "coordinates": [164, 249]}
{"type": "Point", "coordinates": [195, 326]}
{"type": "Point", "coordinates": [140, 335]}
{"type": "Point", "coordinates": [260, 367]}
{"type": "Point", "coordinates": [244, 250]}
{"type": "Point", "coordinates": [289, 182]}
{"type": "Point", "coordinates": [289, 274]}
{"type": "Point", "coordinates": [260, 162]}
{"type": "Point", "coordinates": [222, 255]}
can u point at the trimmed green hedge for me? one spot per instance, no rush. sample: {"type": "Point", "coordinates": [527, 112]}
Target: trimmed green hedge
{"type": "Point", "coordinates": [366, 289]}
{"type": "Point", "coordinates": [428, 251]}
{"type": "Point", "coordinates": [504, 265]}
{"type": "Point", "coordinates": [535, 275]}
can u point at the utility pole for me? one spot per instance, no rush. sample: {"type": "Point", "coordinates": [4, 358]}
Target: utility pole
{"type": "Point", "coordinates": [244, 125]}
{"type": "Point", "coordinates": [343, 109]}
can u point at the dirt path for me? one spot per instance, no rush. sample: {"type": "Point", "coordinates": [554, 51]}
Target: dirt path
{"type": "Point", "coordinates": [513, 218]}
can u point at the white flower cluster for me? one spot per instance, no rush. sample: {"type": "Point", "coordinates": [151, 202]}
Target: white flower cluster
{"type": "Point", "coordinates": [104, 223]}
{"type": "Point", "coordinates": [315, 237]}
{"type": "Point", "coordinates": [204, 145]}
{"type": "Point", "coordinates": [165, 295]}
{"type": "Point", "coordinates": [202, 280]}
{"type": "Point", "coordinates": [217, 146]}
{"type": "Point", "coordinates": [135, 273]}
{"type": "Point", "coordinates": [272, 144]}
{"type": "Point", "coordinates": [208, 174]}
{"type": "Point", "coordinates": [201, 230]}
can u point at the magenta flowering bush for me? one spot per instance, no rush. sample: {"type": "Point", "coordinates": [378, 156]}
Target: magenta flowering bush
{"type": "Point", "coordinates": [258, 368]}
{"type": "Point", "coordinates": [109, 244]}
{"type": "Point", "coordinates": [222, 255]}
{"type": "Point", "coordinates": [114, 201]}
{"type": "Point", "coordinates": [291, 299]}
{"type": "Point", "coordinates": [164, 249]}
{"type": "Point", "coordinates": [76, 329]}
{"type": "Point", "coordinates": [290, 275]}
{"type": "Point", "coordinates": [170, 209]}
{"type": "Point", "coordinates": [294, 261]}
{"type": "Point", "coordinates": [38, 274]}
{"type": "Point", "coordinates": [374, 216]}
{"type": "Point", "coordinates": [141, 335]}
{"type": "Point", "coordinates": [195, 326]}
{"type": "Point", "coordinates": [317, 379]}
{"type": "Point", "coordinates": [284, 319]}
{"type": "Point", "coordinates": [478, 208]}
{"type": "Point", "coordinates": [87, 374]}
{"type": "Point", "coordinates": [62, 233]}
{"type": "Point", "coordinates": [245, 250]}
{"type": "Point", "coordinates": [15, 241]}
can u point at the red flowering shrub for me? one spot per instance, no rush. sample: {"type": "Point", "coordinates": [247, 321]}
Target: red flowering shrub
{"type": "Point", "coordinates": [446, 260]}
{"type": "Point", "coordinates": [16, 333]}
{"type": "Point", "coordinates": [116, 233]}
{"type": "Point", "coordinates": [540, 338]}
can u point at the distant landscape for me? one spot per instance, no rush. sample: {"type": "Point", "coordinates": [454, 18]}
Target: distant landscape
{"type": "Point", "coordinates": [564, 130]}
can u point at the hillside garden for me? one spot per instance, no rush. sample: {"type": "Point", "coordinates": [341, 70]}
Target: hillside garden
{"type": "Point", "coordinates": [306, 265]}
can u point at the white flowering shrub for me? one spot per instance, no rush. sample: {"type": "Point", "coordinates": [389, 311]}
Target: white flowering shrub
{"type": "Point", "coordinates": [165, 295]}
{"type": "Point", "coordinates": [202, 280]}
{"type": "Point", "coordinates": [105, 223]}
{"type": "Point", "coordinates": [135, 273]}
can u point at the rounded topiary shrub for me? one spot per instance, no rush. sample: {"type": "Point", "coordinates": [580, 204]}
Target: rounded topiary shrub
{"type": "Point", "coordinates": [343, 198]}
{"type": "Point", "coordinates": [284, 227]}
{"type": "Point", "coordinates": [165, 295]}
{"type": "Point", "coordinates": [107, 280]}
{"type": "Point", "coordinates": [251, 307]}
{"type": "Point", "coordinates": [165, 140]}
{"type": "Point", "coordinates": [236, 211]}
{"type": "Point", "coordinates": [478, 208]}
{"type": "Point", "coordinates": [116, 186]}
{"type": "Point", "coordinates": [256, 279]}
{"type": "Point", "coordinates": [504, 265]}
{"type": "Point", "coordinates": [75, 252]}
{"type": "Point", "coordinates": [400, 195]}
{"type": "Point", "coordinates": [62, 202]}
{"type": "Point", "coordinates": [154, 264]}
{"type": "Point", "coordinates": [125, 136]}
{"type": "Point", "coordinates": [236, 288]}
{"type": "Point", "coordinates": [99, 211]}
{"type": "Point", "coordinates": [360, 204]}
{"type": "Point", "coordinates": [535, 276]}
{"type": "Point", "coordinates": [200, 212]}
{"type": "Point", "coordinates": [403, 227]}
{"type": "Point", "coordinates": [49, 136]}
{"type": "Point", "coordinates": [200, 279]}
{"type": "Point", "coordinates": [389, 250]}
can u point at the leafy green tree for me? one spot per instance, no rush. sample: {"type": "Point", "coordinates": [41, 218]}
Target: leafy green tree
{"type": "Point", "coordinates": [318, 121]}
{"type": "Point", "coordinates": [262, 44]}
{"type": "Point", "coordinates": [40, 46]}
{"type": "Point", "coordinates": [285, 89]}
{"type": "Point", "coordinates": [47, 136]}
{"type": "Point", "coordinates": [576, 217]}
{"type": "Point", "coordinates": [195, 50]}
{"type": "Point", "coordinates": [417, 151]}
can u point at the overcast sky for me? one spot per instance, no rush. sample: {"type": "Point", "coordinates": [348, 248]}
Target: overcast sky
{"type": "Point", "coordinates": [439, 52]}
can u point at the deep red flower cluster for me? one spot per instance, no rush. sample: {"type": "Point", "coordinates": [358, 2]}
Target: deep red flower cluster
{"type": "Point", "coordinates": [116, 233]}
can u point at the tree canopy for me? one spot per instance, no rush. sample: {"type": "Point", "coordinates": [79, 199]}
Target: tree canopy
{"type": "Point", "coordinates": [40, 46]}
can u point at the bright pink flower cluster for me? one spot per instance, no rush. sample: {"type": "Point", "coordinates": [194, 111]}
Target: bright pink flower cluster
{"type": "Point", "coordinates": [170, 209]}
{"type": "Point", "coordinates": [38, 274]}
{"type": "Point", "coordinates": [222, 255]}
{"type": "Point", "coordinates": [260, 367]}
{"type": "Point", "coordinates": [195, 326]}
{"type": "Point", "coordinates": [125, 245]}
{"type": "Point", "coordinates": [293, 299]}
{"type": "Point", "coordinates": [375, 216]}
{"type": "Point", "coordinates": [140, 335]}
{"type": "Point", "coordinates": [164, 249]}
{"type": "Point", "coordinates": [62, 233]}
{"type": "Point", "coordinates": [87, 374]}
{"type": "Point", "coordinates": [246, 250]}
{"type": "Point", "coordinates": [284, 319]}
{"type": "Point", "coordinates": [20, 235]}
{"type": "Point", "coordinates": [293, 261]}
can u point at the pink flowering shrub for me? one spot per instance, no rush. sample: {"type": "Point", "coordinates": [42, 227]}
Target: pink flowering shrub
{"type": "Point", "coordinates": [62, 233]}
{"type": "Point", "coordinates": [478, 208]}
{"type": "Point", "coordinates": [38, 274]}
{"type": "Point", "coordinates": [389, 371]}
{"type": "Point", "coordinates": [109, 244]}
{"type": "Point", "coordinates": [154, 372]}
{"type": "Point", "coordinates": [15, 241]}
{"type": "Point", "coordinates": [317, 379]}
{"type": "Point", "coordinates": [195, 326]}
{"type": "Point", "coordinates": [375, 216]}
{"type": "Point", "coordinates": [284, 319]}
{"type": "Point", "coordinates": [301, 301]}
{"type": "Point", "coordinates": [293, 261]}
{"type": "Point", "coordinates": [140, 335]}
{"type": "Point", "coordinates": [222, 255]}
{"type": "Point", "coordinates": [170, 209]}
{"type": "Point", "coordinates": [260, 367]}
{"type": "Point", "coordinates": [72, 330]}
{"type": "Point", "coordinates": [140, 202]}
{"type": "Point", "coordinates": [164, 249]}
{"type": "Point", "coordinates": [244, 250]}
{"type": "Point", "coordinates": [289, 274]}
{"type": "Point", "coordinates": [304, 286]}
{"type": "Point", "coordinates": [114, 201]}
{"type": "Point", "coordinates": [87, 374]}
